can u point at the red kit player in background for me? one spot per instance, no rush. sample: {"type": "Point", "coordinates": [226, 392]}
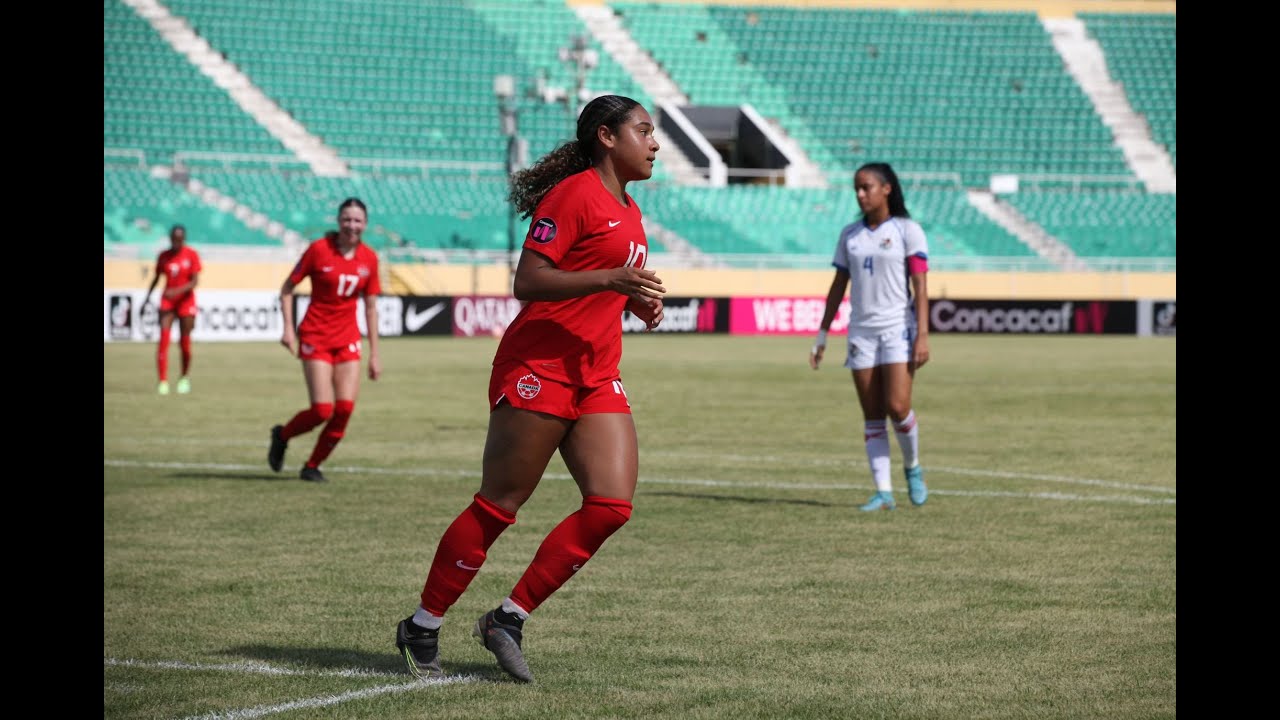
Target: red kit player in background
{"type": "Point", "coordinates": [555, 382]}
{"type": "Point", "coordinates": [180, 267]}
{"type": "Point", "coordinates": [342, 270]}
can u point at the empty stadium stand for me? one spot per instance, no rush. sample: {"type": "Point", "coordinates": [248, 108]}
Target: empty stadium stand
{"type": "Point", "coordinates": [402, 92]}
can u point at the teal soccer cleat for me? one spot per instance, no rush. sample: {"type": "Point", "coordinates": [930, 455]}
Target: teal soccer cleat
{"type": "Point", "coordinates": [882, 500]}
{"type": "Point", "coordinates": [915, 486]}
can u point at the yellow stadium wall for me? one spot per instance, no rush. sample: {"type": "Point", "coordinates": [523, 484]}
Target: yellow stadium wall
{"type": "Point", "coordinates": [494, 280]}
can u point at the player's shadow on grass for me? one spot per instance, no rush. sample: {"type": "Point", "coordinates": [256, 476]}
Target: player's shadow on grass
{"type": "Point", "coordinates": [337, 659]}
{"type": "Point", "coordinates": [261, 476]}
{"type": "Point", "coordinates": [737, 498]}
{"type": "Point", "coordinates": [325, 658]}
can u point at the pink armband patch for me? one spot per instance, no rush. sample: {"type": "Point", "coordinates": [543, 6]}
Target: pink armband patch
{"type": "Point", "coordinates": [917, 264]}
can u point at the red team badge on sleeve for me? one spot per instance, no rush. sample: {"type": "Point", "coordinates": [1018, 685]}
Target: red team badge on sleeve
{"type": "Point", "coordinates": [529, 386]}
{"type": "Point", "coordinates": [543, 230]}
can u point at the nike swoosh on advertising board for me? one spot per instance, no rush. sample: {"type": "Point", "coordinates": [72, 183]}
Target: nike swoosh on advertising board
{"type": "Point", "coordinates": [414, 319]}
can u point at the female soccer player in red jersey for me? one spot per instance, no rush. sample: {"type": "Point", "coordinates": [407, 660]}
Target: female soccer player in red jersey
{"type": "Point", "coordinates": [555, 382]}
{"type": "Point", "coordinates": [342, 269]}
{"type": "Point", "coordinates": [180, 266]}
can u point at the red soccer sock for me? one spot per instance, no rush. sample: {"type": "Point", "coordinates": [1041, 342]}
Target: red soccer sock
{"type": "Point", "coordinates": [332, 433]}
{"type": "Point", "coordinates": [162, 356]}
{"type": "Point", "coordinates": [185, 344]}
{"type": "Point", "coordinates": [461, 552]}
{"type": "Point", "coordinates": [568, 547]}
{"type": "Point", "coordinates": [307, 419]}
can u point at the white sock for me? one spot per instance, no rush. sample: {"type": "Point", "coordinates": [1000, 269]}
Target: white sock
{"type": "Point", "coordinates": [514, 609]}
{"type": "Point", "coordinates": [424, 619]}
{"type": "Point", "coordinates": [877, 439]}
{"type": "Point", "coordinates": [908, 432]}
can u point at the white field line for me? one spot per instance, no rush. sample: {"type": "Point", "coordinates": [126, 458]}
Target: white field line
{"type": "Point", "coordinates": [313, 702]}
{"type": "Point", "coordinates": [1126, 499]}
{"type": "Point", "coordinates": [248, 667]}
{"type": "Point", "coordinates": [748, 460]}
{"type": "Point", "coordinates": [436, 472]}
{"type": "Point", "coordinates": [839, 462]}
{"type": "Point", "coordinates": [1057, 479]}
{"type": "Point", "coordinates": [932, 491]}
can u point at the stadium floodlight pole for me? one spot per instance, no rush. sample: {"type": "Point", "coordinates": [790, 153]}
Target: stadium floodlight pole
{"type": "Point", "coordinates": [504, 88]}
{"type": "Point", "coordinates": [584, 59]}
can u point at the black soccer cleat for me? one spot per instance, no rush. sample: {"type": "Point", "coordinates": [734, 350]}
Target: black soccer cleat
{"type": "Point", "coordinates": [275, 455]}
{"type": "Point", "coordinates": [420, 648]}
{"type": "Point", "coordinates": [504, 642]}
{"type": "Point", "coordinates": [311, 474]}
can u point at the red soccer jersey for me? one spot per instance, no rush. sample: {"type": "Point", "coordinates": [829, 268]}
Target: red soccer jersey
{"type": "Point", "coordinates": [579, 225]}
{"type": "Point", "coordinates": [336, 285]}
{"type": "Point", "coordinates": [178, 267]}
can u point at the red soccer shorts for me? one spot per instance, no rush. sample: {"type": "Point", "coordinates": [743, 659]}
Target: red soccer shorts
{"type": "Point", "coordinates": [526, 390]}
{"type": "Point", "coordinates": [186, 307]}
{"type": "Point", "coordinates": [333, 356]}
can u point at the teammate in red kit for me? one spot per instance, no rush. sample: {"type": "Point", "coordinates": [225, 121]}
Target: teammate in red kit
{"type": "Point", "coordinates": [555, 382]}
{"type": "Point", "coordinates": [180, 267]}
{"type": "Point", "coordinates": [342, 270]}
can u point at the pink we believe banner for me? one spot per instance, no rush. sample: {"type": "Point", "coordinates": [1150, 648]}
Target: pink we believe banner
{"type": "Point", "coordinates": [783, 315]}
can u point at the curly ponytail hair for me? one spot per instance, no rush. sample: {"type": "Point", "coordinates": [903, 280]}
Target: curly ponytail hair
{"type": "Point", "coordinates": [528, 187]}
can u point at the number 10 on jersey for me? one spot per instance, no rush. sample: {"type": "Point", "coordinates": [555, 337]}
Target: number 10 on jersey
{"type": "Point", "coordinates": [636, 256]}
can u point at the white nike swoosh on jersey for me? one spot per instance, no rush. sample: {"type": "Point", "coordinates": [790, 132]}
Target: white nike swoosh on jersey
{"type": "Point", "coordinates": [615, 223]}
{"type": "Point", "coordinates": [326, 268]}
{"type": "Point", "coordinates": [415, 319]}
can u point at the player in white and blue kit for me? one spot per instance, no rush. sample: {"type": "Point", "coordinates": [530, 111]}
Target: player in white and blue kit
{"type": "Point", "coordinates": [886, 256]}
